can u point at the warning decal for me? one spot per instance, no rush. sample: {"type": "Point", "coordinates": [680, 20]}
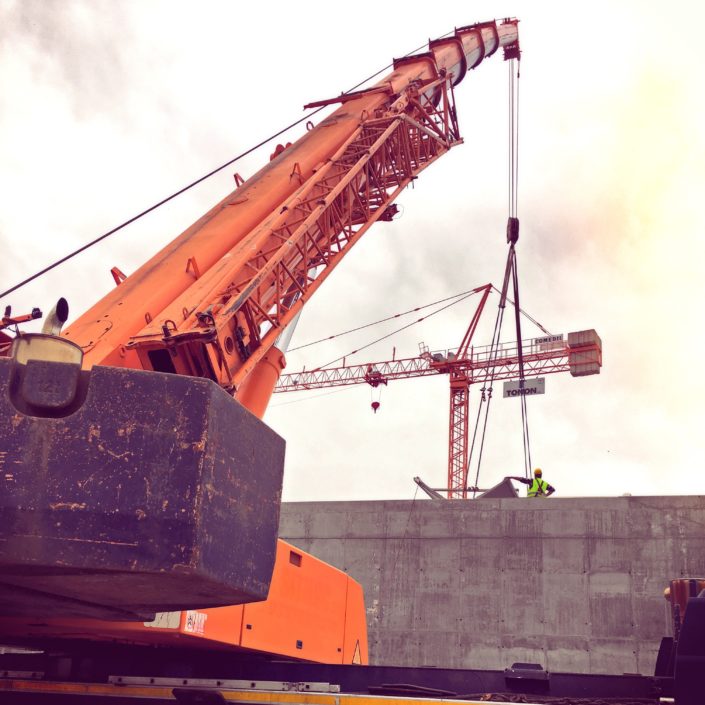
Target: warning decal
{"type": "Point", "coordinates": [195, 622]}
{"type": "Point", "coordinates": [356, 656]}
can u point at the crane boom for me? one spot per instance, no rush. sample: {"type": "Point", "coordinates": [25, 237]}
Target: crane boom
{"type": "Point", "coordinates": [212, 303]}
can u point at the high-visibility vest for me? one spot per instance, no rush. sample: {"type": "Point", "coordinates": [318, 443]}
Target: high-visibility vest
{"type": "Point", "coordinates": [537, 488]}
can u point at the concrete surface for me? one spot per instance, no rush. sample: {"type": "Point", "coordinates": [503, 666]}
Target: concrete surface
{"type": "Point", "coordinates": [574, 584]}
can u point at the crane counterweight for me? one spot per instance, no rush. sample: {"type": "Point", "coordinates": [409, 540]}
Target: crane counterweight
{"type": "Point", "coordinates": [117, 508]}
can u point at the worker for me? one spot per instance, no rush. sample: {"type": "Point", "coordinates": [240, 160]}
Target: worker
{"type": "Point", "coordinates": [538, 487]}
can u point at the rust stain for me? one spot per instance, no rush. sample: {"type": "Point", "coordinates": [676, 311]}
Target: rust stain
{"type": "Point", "coordinates": [210, 490]}
{"type": "Point", "coordinates": [81, 484]}
{"type": "Point", "coordinates": [128, 429]}
{"type": "Point", "coordinates": [118, 456]}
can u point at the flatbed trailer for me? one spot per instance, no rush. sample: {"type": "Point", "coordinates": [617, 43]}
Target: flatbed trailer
{"type": "Point", "coordinates": [115, 675]}
{"type": "Point", "coordinates": [89, 673]}
{"type": "Point", "coordinates": [207, 693]}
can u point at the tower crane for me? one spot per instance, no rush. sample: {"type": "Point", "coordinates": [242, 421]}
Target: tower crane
{"type": "Point", "coordinates": [580, 353]}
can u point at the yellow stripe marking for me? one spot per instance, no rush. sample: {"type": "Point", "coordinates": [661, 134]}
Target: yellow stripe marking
{"type": "Point", "coordinates": [162, 692]}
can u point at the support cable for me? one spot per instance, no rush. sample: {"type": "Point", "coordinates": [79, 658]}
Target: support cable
{"type": "Point", "coordinates": [399, 330]}
{"type": "Point", "coordinates": [458, 296]}
{"type": "Point", "coordinates": [513, 215]}
{"type": "Point", "coordinates": [516, 146]}
{"type": "Point", "coordinates": [525, 314]}
{"type": "Point", "coordinates": [520, 351]}
{"type": "Point", "coordinates": [464, 294]}
{"type": "Point", "coordinates": [171, 197]}
{"type": "Point", "coordinates": [510, 274]}
{"type": "Point", "coordinates": [490, 372]}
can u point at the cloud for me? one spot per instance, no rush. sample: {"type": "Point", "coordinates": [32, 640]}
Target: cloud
{"type": "Point", "coordinates": [75, 44]}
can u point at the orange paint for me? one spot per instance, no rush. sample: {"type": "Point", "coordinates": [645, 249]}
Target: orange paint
{"type": "Point", "coordinates": [313, 612]}
{"type": "Point", "coordinates": [257, 389]}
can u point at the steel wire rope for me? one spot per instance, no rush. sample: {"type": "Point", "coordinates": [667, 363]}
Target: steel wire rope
{"type": "Point", "coordinates": [464, 294]}
{"type": "Point", "coordinates": [171, 197]}
{"type": "Point", "coordinates": [510, 271]}
{"type": "Point", "coordinates": [399, 330]}
{"type": "Point", "coordinates": [513, 206]}
{"type": "Point", "coordinates": [509, 268]}
{"type": "Point", "coordinates": [516, 170]}
{"type": "Point", "coordinates": [384, 320]}
{"type": "Point", "coordinates": [514, 109]}
{"type": "Point", "coordinates": [509, 141]}
{"type": "Point", "coordinates": [524, 313]}
{"type": "Point", "coordinates": [492, 358]}
{"type": "Point", "coordinates": [512, 211]}
{"type": "Point", "coordinates": [487, 391]}
{"type": "Point", "coordinates": [472, 445]}
{"type": "Point", "coordinates": [513, 138]}
{"type": "Point", "coordinates": [524, 410]}
{"type": "Point", "coordinates": [191, 185]}
{"type": "Point", "coordinates": [461, 296]}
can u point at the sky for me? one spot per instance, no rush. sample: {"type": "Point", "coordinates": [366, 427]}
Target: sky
{"type": "Point", "coordinates": [108, 106]}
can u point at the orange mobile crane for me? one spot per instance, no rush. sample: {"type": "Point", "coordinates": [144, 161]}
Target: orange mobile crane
{"type": "Point", "coordinates": [142, 500]}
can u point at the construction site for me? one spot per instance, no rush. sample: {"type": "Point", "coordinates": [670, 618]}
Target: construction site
{"type": "Point", "coordinates": [181, 522]}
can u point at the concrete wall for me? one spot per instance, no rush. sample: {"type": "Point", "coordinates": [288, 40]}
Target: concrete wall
{"type": "Point", "coordinates": [573, 584]}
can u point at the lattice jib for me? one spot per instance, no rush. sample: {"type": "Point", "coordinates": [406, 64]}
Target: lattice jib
{"type": "Point", "coordinates": [370, 173]}
{"type": "Point", "coordinates": [312, 231]}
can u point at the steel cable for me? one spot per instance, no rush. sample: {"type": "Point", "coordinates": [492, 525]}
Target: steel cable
{"type": "Point", "coordinates": [388, 318]}
{"type": "Point", "coordinates": [494, 348]}
{"type": "Point", "coordinates": [399, 330]}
